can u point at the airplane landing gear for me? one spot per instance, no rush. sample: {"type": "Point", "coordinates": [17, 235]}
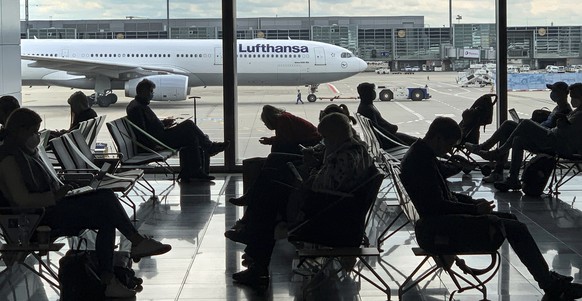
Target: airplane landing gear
{"type": "Point", "coordinates": [311, 97]}
{"type": "Point", "coordinates": [103, 100]}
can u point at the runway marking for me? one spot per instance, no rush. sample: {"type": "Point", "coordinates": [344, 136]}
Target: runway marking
{"type": "Point", "coordinates": [411, 111]}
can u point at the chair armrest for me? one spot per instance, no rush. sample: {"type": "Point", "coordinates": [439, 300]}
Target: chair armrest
{"type": "Point", "coordinates": [152, 138]}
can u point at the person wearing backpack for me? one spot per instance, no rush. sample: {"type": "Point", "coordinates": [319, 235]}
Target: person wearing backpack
{"type": "Point", "coordinates": [563, 140]}
{"type": "Point", "coordinates": [558, 94]}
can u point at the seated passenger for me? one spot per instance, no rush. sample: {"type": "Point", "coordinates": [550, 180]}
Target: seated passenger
{"type": "Point", "coordinates": [564, 140]}
{"type": "Point", "coordinates": [464, 223]}
{"type": "Point", "coordinates": [8, 104]}
{"type": "Point", "coordinates": [290, 131]}
{"type": "Point", "coordinates": [26, 182]}
{"type": "Point", "coordinates": [367, 109]}
{"type": "Point", "coordinates": [559, 94]}
{"type": "Point", "coordinates": [80, 111]}
{"type": "Point", "coordinates": [185, 134]}
{"type": "Point", "coordinates": [345, 165]}
{"type": "Point", "coordinates": [310, 158]}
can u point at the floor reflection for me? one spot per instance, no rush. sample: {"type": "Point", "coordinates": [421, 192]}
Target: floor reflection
{"type": "Point", "coordinates": [193, 217]}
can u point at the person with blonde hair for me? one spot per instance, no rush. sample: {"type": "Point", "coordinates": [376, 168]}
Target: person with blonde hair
{"type": "Point", "coordinates": [290, 131]}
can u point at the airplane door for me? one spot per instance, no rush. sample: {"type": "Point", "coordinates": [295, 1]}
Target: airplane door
{"type": "Point", "coordinates": [319, 56]}
{"type": "Point", "coordinates": [217, 56]}
{"type": "Point", "coordinates": [65, 53]}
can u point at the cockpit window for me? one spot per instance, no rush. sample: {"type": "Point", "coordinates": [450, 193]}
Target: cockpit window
{"type": "Point", "coordinates": [346, 55]}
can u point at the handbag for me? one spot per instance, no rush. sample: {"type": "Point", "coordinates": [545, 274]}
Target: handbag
{"type": "Point", "coordinates": [540, 115]}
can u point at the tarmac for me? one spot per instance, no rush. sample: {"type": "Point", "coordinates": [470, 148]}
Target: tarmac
{"type": "Point", "coordinates": [412, 117]}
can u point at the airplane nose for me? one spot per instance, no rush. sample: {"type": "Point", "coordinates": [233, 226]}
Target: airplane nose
{"type": "Point", "coordinates": [362, 65]}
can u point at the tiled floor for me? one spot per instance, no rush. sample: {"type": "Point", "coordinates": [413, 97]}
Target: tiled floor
{"type": "Point", "coordinates": [193, 217]}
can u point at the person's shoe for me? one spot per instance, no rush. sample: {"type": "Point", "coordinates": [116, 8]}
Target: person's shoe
{"type": "Point", "coordinates": [491, 155]}
{"type": "Point", "coordinates": [507, 184]}
{"type": "Point", "coordinates": [202, 177]}
{"type": "Point", "coordinates": [116, 289]}
{"type": "Point", "coordinates": [493, 177]}
{"type": "Point", "coordinates": [238, 235]}
{"type": "Point", "coordinates": [240, 201]}
{"type": "Point", "coordinates": [149, 247]}
{"type": "Point", "coordinates": [573, 291]}
{"type": "Point", "coordinates": [238, 225]}
{"type": "Point", "coordinates": [252, 276]}
{"type": "Point", "coordinates": [247, 261]}
{"type": "Point", "coordinates": [217, 147]}
{"type": "Point", "coordinates": [561, 288]}
{"type": "Point", "coordinates": [472, 147]}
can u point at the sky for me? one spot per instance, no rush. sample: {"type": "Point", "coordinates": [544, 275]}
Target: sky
{"type": "Point", "coordinates": [435, 12]}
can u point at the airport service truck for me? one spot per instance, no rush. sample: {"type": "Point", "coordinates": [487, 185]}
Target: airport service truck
{"type": "Point", "coordinates": [416, 94]}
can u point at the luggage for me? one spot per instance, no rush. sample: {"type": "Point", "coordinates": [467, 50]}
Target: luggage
{"type": "Point", "coordinates": [193, 162]}
{"type": "Point", "coordinates": [536, 174]}
{"type": "Point", "coordinates": [79, 279]}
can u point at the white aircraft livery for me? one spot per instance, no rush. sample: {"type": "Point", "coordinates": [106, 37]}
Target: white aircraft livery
{"type": "Point", "coordinates": [177, 65]}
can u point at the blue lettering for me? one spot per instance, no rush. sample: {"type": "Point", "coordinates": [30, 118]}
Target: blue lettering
{"type": "Point", "coordinates": [267, 48]}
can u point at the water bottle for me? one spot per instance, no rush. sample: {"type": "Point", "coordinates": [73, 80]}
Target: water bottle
{"type": "Point", "coordinates": [23, 230]}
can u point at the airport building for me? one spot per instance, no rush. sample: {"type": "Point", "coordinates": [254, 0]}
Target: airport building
{"type": "Point", "coordinates": [397, 41]}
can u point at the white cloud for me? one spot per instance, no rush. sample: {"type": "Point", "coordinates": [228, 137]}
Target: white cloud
{"type": "Point", "coordinates": [435, 12]}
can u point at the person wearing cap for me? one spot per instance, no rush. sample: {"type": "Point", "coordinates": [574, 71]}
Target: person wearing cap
{"type": "Point", "coordinates": [558, 94]}
{"type": "Point", "coordinates": [562, 140]}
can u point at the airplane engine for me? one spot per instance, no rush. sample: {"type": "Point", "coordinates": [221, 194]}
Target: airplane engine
{"type": "Point", "coordinates": [168, 87]}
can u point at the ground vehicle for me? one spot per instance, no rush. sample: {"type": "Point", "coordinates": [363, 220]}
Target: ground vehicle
{"type": "Point", "coordinates": [416, 94]}
{"type": "Point", "coordinates": [555, 69]}
{"type": "Point", "coordinates": [383, 71]}
{"type": "Point", "coordinates": [414, 68]}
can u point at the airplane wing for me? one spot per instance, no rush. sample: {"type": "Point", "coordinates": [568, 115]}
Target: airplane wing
{"type": "Point", "coordinates": [91, 68]}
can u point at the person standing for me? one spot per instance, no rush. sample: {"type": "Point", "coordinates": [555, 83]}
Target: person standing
{"type": "Point", "coordinates": [299, 97]}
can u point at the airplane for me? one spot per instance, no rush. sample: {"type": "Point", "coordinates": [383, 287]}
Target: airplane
{"type": "Point", "coordinates": [177, 65]}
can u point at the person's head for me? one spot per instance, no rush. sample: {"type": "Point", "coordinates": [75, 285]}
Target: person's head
{"type": "Point", "coordinates": [8, 104]}
{"type": "Point", "coordinates": [78, 102]}
{"type": "Point", "coordinates": [333, 108]}
{"type": "Point", "coordinates": [270, 116]}
{"type": "Point", "coordinates": [367, 92]}
{"type": "Point", "coordinates": [22, 127]}
{"type": "Point", "coordinates": [443, 133]}
{"type": "Point", "coordinates": [559, 91]}
{"type": "Point", "coordinates": [145, 89]}
{"type": "Point", "coordinates": [335, 129]}
{"type": "Point", "coordinates": [576, 94]}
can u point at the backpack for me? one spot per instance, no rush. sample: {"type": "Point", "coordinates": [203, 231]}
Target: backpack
{"type": "Point", "coordinates": [78, 276]}
{"type": "Point", "coordinates": [536, 174]}
{"type": "Point", "coordinates": [479, 114]}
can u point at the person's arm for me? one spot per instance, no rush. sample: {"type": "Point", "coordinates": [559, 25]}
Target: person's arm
{"type": "Point", "coordinates": [424, 185]}
{"type": "Point", "coordinates": [14, 189]}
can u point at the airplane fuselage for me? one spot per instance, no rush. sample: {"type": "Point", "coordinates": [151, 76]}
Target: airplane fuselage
{"type": "Point", "coordinates": [260, 62]}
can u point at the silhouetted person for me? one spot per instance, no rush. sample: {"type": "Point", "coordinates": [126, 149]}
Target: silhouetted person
{"type": "Point", "coordinates": [185, 134]}
{"type": "Point", "coordinates": [367, 109]}
{"type": "Point", "coordinates": [27, 182]}
{"type": "Point", "coordinates": [452, 221]}
{"type": "Point", "coordinates": [8, 104]}
{"type": "Point", "coordinates": [290, 131]}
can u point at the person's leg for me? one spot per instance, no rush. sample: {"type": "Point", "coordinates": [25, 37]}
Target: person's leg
{"type": "Point", "coordinates": [538, 144]}
{"type": "Point", "coordinates": [527, 251]}
{"type": "Point", "coordinates": [500, 135]}
{"type": "Point", "coordinates": [94, 211]}
{"type": "Point", "coordinates": [526, 129]}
